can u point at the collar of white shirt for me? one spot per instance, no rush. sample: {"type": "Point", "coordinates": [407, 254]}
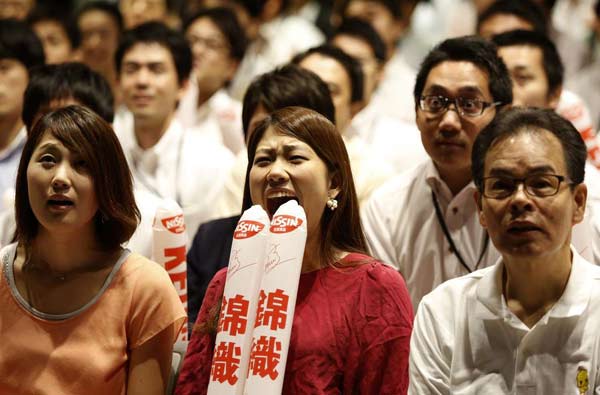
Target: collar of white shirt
{"type": "Point", "coordinates": [15, 145]}
{"type": "Point", "coordinates": [573, 301]}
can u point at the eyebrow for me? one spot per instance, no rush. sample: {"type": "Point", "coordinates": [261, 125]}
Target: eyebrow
{"type": "Point", "coordinates": [286, 148]}
{"type": "Point", "coordinates": [543, 169]}
{"type": "Point", "coordinates": [463, 89]}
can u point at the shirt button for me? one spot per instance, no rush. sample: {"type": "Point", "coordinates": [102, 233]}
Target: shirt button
{"type": "Point", "coordinates": [455, 210]}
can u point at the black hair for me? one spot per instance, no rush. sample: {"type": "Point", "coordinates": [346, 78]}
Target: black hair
{"type": "Point", "coordinates": [19, 42]}
{"type": "Point", "coordinates": [351, 65]}
{"type": "Point", "coordinates": [523, 9]}
{"type": "Point", "coordinates": [360, 29]}
{"type": "Point", "coordinates": [158, 33]}
{"type": "Point", "coordinates": [226, 21]}
{"type": "Point", "coordinates": [552, 63]}
{"type": "Point", "coordinates": [482, 53]}
{"type": "Point", "coordinates": [517, 120]}
{"type": "Point", "coordinates": [286, 86]}
{"type": "Point", "coordinates": [255, 7]}
{"type": "Point", "coordinates": [597, 9]}
{"type": "Point", "coordinates": [66, 81]}
{"type": "Point", "coordinates": [44, 13]}
{"type": "Point", "coordinates": [104, 6]}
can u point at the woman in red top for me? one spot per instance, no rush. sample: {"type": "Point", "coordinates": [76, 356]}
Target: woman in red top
{"type": "Point", "coordinates": [353, 316]}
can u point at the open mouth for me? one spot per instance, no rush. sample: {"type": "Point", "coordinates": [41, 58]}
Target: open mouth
{"type": "Point", "coordinates": [275, 202]}
{"type": "Point", "coordinates": [58, 203]}
{"type": "Point", "coordinates": [521, 229]}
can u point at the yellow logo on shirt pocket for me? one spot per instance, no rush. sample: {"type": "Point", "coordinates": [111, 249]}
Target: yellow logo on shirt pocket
{"type": "Point", "coordinates": [582, 380]}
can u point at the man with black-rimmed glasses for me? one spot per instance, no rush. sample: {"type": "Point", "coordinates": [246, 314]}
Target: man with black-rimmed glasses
{"type": "Point", "coordinates": [424, 222]}
{"type": "Point", "coordinates": [528, 324]}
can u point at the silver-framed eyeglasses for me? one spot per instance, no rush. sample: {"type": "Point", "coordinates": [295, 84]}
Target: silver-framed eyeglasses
{"type": "Point", "coordinates": [436, 104]}
{"type": "Point", "coordinates": [535, 185]}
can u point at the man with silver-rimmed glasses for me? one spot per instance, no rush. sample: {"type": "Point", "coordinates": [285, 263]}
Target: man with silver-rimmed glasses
{"type": "Point", "coordinates": [528, 324]}
{"type": "Point", "coordinates": [424, 221]}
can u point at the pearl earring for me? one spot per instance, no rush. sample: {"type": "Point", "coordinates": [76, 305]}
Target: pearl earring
{"type": "Point", "coordinates": [332, 203]}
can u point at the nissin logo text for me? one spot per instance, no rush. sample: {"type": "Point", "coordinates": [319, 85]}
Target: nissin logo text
{"type": "Point", "coordinates": [174, 224]}
{"type": "Point", "coordinates": [285, 223]}
{"type": "Point", "coordinates": [246, 229]}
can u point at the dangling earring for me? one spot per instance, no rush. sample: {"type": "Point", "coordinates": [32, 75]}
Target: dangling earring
{"type": "Point", "coordinates": [332, 203]}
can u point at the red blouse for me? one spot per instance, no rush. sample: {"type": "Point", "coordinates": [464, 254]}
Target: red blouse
{"type": "Point", "coordinates": [351, 333]}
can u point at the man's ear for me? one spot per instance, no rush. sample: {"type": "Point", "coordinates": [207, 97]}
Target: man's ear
{"type": "Point", "coordinates": [554, 97]}
{"type": "Point", "coordinates": [477, 196]}
{"type": "Point", "coordinates": [356, 107]}
{"type": "Point", "coordinates": [579, 199]}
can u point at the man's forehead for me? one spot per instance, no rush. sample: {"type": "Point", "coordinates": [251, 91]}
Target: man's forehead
{"type": "Point", "coordinates": [527, 149]}
{"type": "Point", "coordinates": [520, 54]}
{"type": "Point", "coordinates": [458, 76]}
{"type": "Point", "coordinates": [149, 52]}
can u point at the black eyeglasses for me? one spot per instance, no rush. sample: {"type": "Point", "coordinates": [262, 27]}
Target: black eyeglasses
{"type": "Point", "coordinates": [465, 107]}
{"type": "Point", "coordinates": [536, 185]}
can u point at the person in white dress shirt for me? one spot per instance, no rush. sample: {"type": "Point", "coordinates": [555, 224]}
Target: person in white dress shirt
{"type": "Point", "coordinates": [424, 221]}
{"type": "Point", "coordinates": [154, 63]}
{"type": "Point", "coordinates": [218, 44]}
{"type": "Point", "coordinates": [528, 324]}
{"type": "Point", "coordinates": [20, 50]}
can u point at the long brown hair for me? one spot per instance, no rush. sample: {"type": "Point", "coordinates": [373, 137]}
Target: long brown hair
{"type": "Point", "coordinates": [340, 229]}
{"type": "Point", "coordinates": [87, 134]}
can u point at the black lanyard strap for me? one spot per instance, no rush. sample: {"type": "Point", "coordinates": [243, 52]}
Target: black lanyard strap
{"type": "Point", "coordinates": [442, 222]}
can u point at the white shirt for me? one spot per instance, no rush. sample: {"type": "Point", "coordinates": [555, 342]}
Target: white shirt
{"type": "Point", "coordinates": [402, 229]}
{"type": "Point", "coordinates": [218, 119]}
{"type": "Point", "coordinates": [9, 164]}
{"type": "Point", "coordinates": [182, 166]}
{"type": "Point", "coordinates": [395, 142]}
{"type": "Point", "coordinates": [394, 94]}
{"type": "Point", "coordinates": [465, 340]}
{"type": "Point", "coordinates": [278, 41]}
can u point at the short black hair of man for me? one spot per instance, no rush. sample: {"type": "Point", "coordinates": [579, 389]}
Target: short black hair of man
{"type": "Point", "coordinates": [226, 21]}
{"type": "Point", "coordinates": [255, 7]}
{"type": "Point", "coordinates": [362, 30]}
{"type": "Point", "coordinates": [393, 6]}
{"type": "Point", "coordinates": [517, 120]}
{"type": "Point", "coordinates": [104, 6]}
{"type": "Point", "coordinates": [553, 66]}
{"type": "Point", "coordinates": [352, 66]}
{"type": "Point", "coordinates": [19, 42]}
{"type": "Point", "coordinates": [158, 33]}
{"type": "Point", "coordinates": [64, 81]}
{"type": "Point", "coordinates": [482, 53]}
{"type": "Point", "coordinates": [45, 13]}
{"type": "Point", "coordinates": [287, 86]}
{"type": "Point", "coordinates": [524, 9]}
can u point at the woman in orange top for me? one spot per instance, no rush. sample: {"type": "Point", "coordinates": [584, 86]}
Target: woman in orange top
{"type": "Point", "coordinates": [80, 314]}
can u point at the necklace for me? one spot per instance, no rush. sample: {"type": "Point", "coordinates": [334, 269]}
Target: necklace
{"type": "Point", "coordinates": [442, 222]}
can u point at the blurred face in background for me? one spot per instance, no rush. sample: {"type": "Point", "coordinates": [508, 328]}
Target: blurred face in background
{"type": "Point", "coordinates": [361, 51]}
{"type": "Point", "coordinates": [214, 66]}
{"type": "Point", "coordinates": [380, 17]}
{"type": "Point", "coordinates": [17, 9]}
{"type": "Point", "coordinates": [99, 39]}
{"type": "Point", "coordinates": [136, 12]}
{"type": "Point", "coordinates": [529, 80]}
{"type": "Point", "coordinates": [339, 83]}
{"type": "Point", "coordinates": [54, 38]}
